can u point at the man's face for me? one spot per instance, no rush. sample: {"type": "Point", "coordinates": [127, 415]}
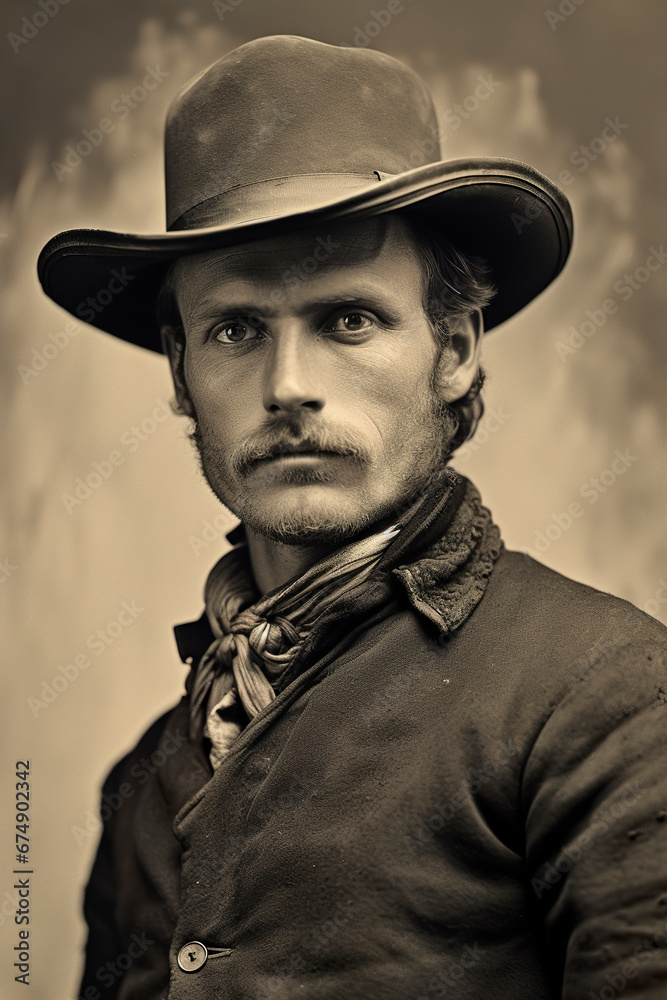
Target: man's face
{"type": "Point", "coordinates": [319, 344]}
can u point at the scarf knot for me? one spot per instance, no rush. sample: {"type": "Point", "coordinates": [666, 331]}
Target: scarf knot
{"type": "Point", "coordinates": [260, 638]}
{"type": "Point", "coordinates": [269, 644]}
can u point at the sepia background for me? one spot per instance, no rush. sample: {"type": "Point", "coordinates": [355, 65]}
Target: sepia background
{"type": "Point", "coordinates": [560, 402]}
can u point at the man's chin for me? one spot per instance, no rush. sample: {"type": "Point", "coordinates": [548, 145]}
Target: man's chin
{"type": "Point", "coordinates": [304, 535]}
{"type": "Point", "coordinates": [303, 523]}
{"type": "Point", "coordinates": [319, 515]}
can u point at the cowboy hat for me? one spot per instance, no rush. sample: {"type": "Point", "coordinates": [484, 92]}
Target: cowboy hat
{"type": "Point", "coordinates": [286, 133]}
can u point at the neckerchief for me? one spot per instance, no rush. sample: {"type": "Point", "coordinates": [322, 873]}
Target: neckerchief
{"type": "Point", "coordinates": [444, 545]}
{"type": "Point", "coordinates": [257, 640]}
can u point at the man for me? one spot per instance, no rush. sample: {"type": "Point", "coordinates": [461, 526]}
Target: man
{"type": "Point", "coordinates": [408, 763]}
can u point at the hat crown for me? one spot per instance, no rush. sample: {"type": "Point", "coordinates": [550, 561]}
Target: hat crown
{"type": "Point", "coordinates": [285, 134]}
{"type": "Point", "coordinates": [283, 107]}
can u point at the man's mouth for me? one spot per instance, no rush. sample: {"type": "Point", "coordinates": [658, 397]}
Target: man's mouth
{"type": "Point", "coordinates": [294, 452]}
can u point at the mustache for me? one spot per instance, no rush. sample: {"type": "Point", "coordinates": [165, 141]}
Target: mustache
{"type": "Point", "coordinates": [288, 435]}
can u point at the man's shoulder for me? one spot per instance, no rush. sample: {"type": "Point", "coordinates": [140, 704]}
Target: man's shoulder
{"type": "Point", "coordinates": [556, 601]}
{"type": "Point", "coordinates": [552, 632]}
{"type": "Point", "coordinates": [166, 726]}
{"type": "Point", "coordinates": [529, 609]}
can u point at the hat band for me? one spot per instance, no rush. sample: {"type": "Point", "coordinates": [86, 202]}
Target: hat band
{"type": "Point", "coordinates": [276, 197]}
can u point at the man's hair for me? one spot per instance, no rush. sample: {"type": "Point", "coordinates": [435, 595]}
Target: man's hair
{"type": "Point", "coordinates": [455, 285]}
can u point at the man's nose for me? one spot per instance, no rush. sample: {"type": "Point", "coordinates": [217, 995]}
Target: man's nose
{"type": "Point", "coordinates": [292, 377]}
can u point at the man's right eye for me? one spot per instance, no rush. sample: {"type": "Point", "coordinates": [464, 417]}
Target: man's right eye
{"type": "Point", "coordinates": [235, 332]}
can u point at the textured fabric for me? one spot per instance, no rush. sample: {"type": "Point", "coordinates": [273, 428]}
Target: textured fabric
{"type": "Point", "coordinates": [256, 645]}
{"type": "Point", "coordinates": [459, 796]}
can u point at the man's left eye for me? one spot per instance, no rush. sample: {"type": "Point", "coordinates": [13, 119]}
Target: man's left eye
{"type": "Point", "coordinates": [351, 322]}
{"type": "Point", "coordinates": [235, 332]}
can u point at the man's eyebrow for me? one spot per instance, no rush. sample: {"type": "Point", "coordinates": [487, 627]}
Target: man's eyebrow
{"type": "Point", "coordinates": [212, 305]}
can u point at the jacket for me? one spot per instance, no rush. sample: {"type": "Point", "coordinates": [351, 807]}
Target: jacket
{"type": "Point", "coordinates": [454, 798]}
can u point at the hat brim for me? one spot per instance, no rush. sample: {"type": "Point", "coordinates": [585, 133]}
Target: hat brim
{"type": "Point", "coordinates": [501, 210]}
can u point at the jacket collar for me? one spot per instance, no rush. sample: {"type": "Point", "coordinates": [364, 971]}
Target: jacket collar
{"type": "Point", "coordinates": [442, 559]}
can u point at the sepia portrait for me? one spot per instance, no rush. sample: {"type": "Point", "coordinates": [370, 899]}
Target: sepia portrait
{"type": "Point", "coordinates": [334, 569]}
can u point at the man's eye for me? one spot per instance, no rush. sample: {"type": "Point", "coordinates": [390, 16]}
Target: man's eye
{"type": "Point", "coordinates": [236, 332]}
{"type": "Point", "coordinates": [352, 322]}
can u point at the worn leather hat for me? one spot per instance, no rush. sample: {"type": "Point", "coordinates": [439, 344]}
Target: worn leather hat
{"type": "Point", "coordinates": [285, 133]}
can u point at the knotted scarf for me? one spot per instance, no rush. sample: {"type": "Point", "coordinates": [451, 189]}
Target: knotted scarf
{"type": "Point", "coordinates": [257, 640]}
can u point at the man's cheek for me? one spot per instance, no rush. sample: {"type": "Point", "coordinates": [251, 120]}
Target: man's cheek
{"type": "Point", "coordinates": [220, 408]}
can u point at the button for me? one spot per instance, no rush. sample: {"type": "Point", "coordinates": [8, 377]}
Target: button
{"type": "Point", "coordinates": [192, 956]}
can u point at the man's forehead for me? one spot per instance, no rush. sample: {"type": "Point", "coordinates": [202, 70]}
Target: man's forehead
{"type": "Point", "coordinates": [309, 251]}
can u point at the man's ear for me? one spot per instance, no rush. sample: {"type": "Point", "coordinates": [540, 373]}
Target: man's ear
{"type": "Point", "coordinates": [464, 355]}
{"type": "Point", "coordinates": [173, 345]}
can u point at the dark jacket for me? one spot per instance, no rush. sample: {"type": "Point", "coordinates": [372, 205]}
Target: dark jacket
{"type": "Point", "coordinates": [433, 808]}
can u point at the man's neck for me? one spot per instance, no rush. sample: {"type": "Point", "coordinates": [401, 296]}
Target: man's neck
{"type": "Point", "coordinates": [274, 563]}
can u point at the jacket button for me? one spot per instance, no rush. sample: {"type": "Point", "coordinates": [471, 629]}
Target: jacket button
{"type": "Point", "coordinates": [192, 956]}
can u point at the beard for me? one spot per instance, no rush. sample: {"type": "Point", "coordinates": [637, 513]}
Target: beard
{"type": "Point", "coordinates": [434, 424]}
